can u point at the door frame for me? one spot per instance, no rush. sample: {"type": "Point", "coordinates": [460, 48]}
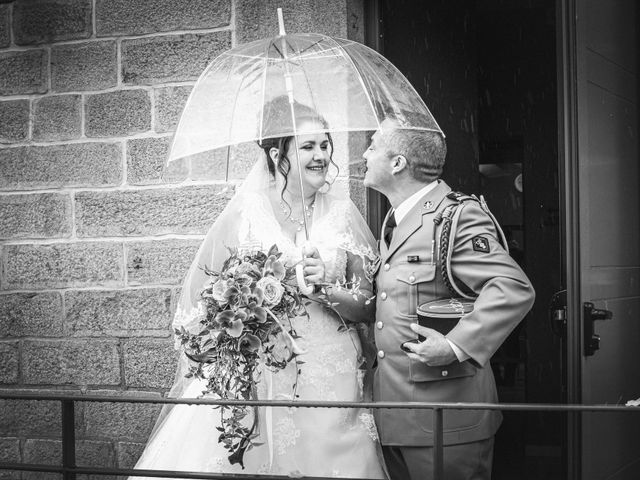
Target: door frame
{"type": "Point", "coordinates": [568, 158]}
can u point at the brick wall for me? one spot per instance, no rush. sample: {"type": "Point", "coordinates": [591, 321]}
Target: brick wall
{"type": "Point", "coordinates": [94, 242]}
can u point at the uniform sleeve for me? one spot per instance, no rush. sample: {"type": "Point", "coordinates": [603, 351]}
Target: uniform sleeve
{"type": "Point", "coordinates": [505, 294]}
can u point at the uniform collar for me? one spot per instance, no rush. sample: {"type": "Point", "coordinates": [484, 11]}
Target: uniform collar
{"type": "Point", "coordinates": [406, 206]}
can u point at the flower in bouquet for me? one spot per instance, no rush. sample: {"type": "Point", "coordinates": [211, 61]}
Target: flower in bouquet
{"type": "Point", "coordinates": [243, 310]}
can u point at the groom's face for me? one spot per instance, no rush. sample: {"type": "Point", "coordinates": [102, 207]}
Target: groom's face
{"type": "Point", "coordinates": [377, 158]}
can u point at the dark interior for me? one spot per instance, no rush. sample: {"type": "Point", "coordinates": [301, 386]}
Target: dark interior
{"type": "Point", "coordinates": [487, 70]}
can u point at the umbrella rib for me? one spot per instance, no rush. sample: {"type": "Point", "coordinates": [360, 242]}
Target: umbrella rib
{"type": "Point", "coordinates": [264, 83]}
{"type": "Point", "coordinates": [360, 78]}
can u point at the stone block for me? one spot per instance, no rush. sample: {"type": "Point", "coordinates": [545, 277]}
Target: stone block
{"type": "Point", "coordinates": [149, 363]}
{"type": "Point", "coordinates": [184, 57]}
{"type": "Point", "coordinates": [231, 163]}
{"type": "Point", "coordinates": [63, 265]}
{"type": "Point", "coordinates": [30, 418]}
{"type": "Point", "coordinates": [5, 36]}
{"type": "Point", "coordinates": [128, 453]}
{"type": "Point", "coordinates": [43, 451]}
{"type": "Point", "coordinates": [122, 17]}
{"type": "Point", "coordinates": [10, 450]}
{"type": "Point", "coordinates": [149, 212]}
{"type": "Point", "coordinates": [73, 165]}
{"type": "Point", "coordinates": [14, 121]}
{"type": "Point", "coordinates": [23, 72]}
{"type": "Point", "coordinates": [169, 103]}
{"type": "Point", "coordinates": [74, 362]}
{"type": "Point", "coordinates": [118, 313]}
{"type": "Point", "coordinates": [9, 362]}
{"type": "Point", "coordinates": [256, 20]}
{"type": "Point", "coordinates": [86, 66]}
{"type": "Point", "coordinates": [161, 262]}
{"type": "Point", "coordinates": [57, 118]}
{"type": "Point", "coordinates": [31, 315]}
{"type": "Point", "coordinates": [46, 21]}
{"type": "Point", "coordinates": [147, 162]}
{"type": "Point", "coordinates": [119, 113]}
{"type": "Point", "coordinates": [124, 421]}
{"type": "Point", "coordinates": [38, 215]}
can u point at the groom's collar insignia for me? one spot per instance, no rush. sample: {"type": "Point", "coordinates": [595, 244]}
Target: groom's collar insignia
{"type": "Point", "coordinates": [428, 205]}
{"type": "Point", "coordinates": [480, 244]}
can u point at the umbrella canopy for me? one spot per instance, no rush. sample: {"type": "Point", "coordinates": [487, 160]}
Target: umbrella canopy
{"type": "Point", "coordinates": [350, 85]}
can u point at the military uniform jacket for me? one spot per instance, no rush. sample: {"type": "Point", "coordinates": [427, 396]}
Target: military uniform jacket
{"type": "Point", "coordinates": [408, 276]}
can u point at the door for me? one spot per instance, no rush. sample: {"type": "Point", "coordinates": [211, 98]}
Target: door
{"type": "Point", "coordinates": [603, 230]}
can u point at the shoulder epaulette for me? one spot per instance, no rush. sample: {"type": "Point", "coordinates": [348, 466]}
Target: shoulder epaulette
{"type": "Point", "coordinates": [449, 217]}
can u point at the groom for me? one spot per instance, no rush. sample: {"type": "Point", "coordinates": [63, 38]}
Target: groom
{"type": "Point", "coordinates": [405, 166]}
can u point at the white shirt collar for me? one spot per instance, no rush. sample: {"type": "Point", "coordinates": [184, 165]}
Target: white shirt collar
{"type": "Point", "coordinates": [410, 202]}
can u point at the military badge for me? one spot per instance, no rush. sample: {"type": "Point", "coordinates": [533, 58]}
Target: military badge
{"type": "Point", "coordinates": [428, 204]}
{"type": "Point", "coordinates": [480, 244]}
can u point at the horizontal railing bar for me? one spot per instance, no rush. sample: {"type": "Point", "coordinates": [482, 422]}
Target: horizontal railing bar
{"type": "Point", "coordinates": [325, 404]}
{"type": "Point", "coordinates": [151, 473]}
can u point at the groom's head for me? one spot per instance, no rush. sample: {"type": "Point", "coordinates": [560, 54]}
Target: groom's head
{"type": "Point", "coordinates": [401, 154]}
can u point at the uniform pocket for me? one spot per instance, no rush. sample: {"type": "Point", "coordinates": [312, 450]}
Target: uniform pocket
{"type": "Point", "coordinates": [421, 372]}
{"type": "Point", "coordinates": [411, 279]}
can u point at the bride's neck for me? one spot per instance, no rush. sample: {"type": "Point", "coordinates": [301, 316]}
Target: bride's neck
{"type": "Point", "coordinates": [294, 198]}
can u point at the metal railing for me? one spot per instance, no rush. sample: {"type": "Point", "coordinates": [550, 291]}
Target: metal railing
{"type": "Point", "coordinates": [69, 470]}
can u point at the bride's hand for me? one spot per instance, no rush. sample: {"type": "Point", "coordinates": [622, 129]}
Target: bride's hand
{"type": "Point", "coordinates": [313, 266]}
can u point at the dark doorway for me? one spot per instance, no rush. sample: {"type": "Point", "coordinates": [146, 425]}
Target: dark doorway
{"type": "Point", "coordinates": [487, 70]}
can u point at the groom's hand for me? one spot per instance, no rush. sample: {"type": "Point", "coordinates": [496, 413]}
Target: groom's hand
{"type": "Point", "coordinates": [435, 351]}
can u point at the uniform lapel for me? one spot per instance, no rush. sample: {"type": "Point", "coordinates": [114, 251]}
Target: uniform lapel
{"type": "Point", "coordinates": [413, 220]}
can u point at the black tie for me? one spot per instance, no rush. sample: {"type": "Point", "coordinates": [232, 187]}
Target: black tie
{"type": "Point", "coordinates": [388, 229]}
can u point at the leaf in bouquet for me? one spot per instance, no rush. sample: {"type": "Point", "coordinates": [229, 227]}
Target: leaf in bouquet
{"type": "Point", "coordinates": [273, 250]}
{"type": "Point", "coordinates": [204, 357]}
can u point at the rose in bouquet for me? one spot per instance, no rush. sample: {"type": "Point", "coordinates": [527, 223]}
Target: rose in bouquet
{"type": "Point", "coordinates": [245, 319]}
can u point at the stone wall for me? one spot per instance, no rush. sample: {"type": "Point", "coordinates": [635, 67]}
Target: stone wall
{"type": "Point", "coordinates": [94, 242]}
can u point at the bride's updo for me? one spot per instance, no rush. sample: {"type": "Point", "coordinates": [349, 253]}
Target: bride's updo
{"type": "Point", "coordinates": [277, 119]}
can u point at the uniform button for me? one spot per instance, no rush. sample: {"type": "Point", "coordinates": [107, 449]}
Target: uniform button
{"type": "Point", "coordinates": [444, 373]}
{"type": "Point", "coordinates": [380, 354]}
{"type": "Point", "coordinates": [412, 279]}
{"type": "Point", "coordinates": [383, 295]}
{"type": "Point", "coordinates": [379, 325]}
{"type": "Point", "coordinates": [386, 267]}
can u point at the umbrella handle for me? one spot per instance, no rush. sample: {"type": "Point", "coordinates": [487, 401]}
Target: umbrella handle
{"type": "Point", "coordinates": [302, 284]}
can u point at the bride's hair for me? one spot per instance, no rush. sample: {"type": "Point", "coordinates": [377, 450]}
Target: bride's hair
{"type": "Point", "coordinates": [276, 116]}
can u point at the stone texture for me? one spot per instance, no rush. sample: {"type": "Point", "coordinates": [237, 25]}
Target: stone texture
{"type": "Point", "coordinates": [57, 118]}
{"type": "Point", "coordinates": [30, 417]}
{"type": "Point", "coordinates": [9, 362]}
{"type": "Point", "coordinates": [123, 17]}
{"type": "Point", "coordinates": [128, 453]}
{"type": "Point", "coordinates": [46, 21]}
{"type": "Point", "coordinates": [74, 165]}
{"type": "Point", "coordinates": [46, 452]}
{"type": "Point", "coordinates": [256, 20]}
{"type": "Point", "coordinates": [169, 103]}
{"type": "Point", "coordinates": [14, 121]}
{"type": "Point", "coordinates": [10, 450]}
{"type": "Point", "coordinates": [231, 163]}
{"type": "Point", "coordinates": [40, 215]}
{"type": "Point", "coordinates": [149, 363]}
{"type": "Point", "coordinates": [184, 57]}
{"type": "Point", "coordinates": [125, 421]}
{"type": "Point", "coordinates": [31, 315]}
{"type": "Point", "coordinates": [149, 212]}
{"type": "Point", "coordinates": [86, 66]}
{"type": "Point", "coordinates": [74, 362]}
{"type": "Point", "coordinates": [5, 36]}
{"type": "Point", "coordinates": [63, 265]}
{"type": "Point", "coordinates": [147, 162]}
{"type": "Point", "coordinates": [118, 313]}
{"type": "Point", "coordinates": [164, 262]}
{"type": "Point", "coordinates": [23, 72]}
{"type": "Point", "coordinates": [119, 113]}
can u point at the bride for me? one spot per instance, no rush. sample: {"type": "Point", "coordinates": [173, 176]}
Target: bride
{"type": "Point", "coordinates": [268, 210]}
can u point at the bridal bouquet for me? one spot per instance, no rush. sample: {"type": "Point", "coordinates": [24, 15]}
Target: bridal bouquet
{"type": "Point", "coordinates": [245, 311]}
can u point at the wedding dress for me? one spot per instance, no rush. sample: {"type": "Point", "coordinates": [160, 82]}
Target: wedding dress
{"type": "Point", "coordinates": [327, 442]}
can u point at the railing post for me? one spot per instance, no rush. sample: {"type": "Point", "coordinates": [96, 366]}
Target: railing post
{"type": "Point", "coordinates": [437, 444]}
{"type": "Point", "coordinates": [68, 439]}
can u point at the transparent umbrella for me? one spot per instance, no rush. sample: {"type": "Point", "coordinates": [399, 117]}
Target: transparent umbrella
{"type": "Point", "coordinates": [348, 84]}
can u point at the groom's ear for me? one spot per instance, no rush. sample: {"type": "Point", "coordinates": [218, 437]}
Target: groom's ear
{"type": "Point", "coordinates": [398, 164]}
